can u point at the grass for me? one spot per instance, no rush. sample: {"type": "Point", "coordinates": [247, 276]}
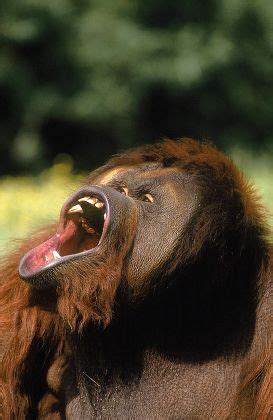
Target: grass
{"type": "Point", "coordinates": [259, 171]}
{"type": "Point", "coordinates": [29, 202]}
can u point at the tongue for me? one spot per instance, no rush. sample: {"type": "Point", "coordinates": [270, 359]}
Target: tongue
{"type": "Point", "coordinates": [70, 239]}
{"type": "Point", "coordinates": [75, 239]}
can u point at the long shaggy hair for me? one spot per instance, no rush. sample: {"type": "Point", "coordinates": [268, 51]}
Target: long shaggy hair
{"type": "Point", "coordinates": [34, 327]}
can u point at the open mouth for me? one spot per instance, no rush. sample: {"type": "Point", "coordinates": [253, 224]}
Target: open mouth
{"type": "Point", "coordinates": [83, 222]}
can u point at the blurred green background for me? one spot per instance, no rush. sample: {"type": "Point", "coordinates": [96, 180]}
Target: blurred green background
{"type": "Point", "coordinates": [82, 79]}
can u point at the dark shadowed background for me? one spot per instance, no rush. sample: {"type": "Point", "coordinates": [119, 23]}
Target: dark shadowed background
{"type": "Point", "coordinates": [87, 78]}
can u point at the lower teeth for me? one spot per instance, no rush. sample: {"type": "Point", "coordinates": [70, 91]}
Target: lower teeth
{"type": "Point", "coordinates": [56, 255]}
{"type": "Point", "coordinates": [86, 226]}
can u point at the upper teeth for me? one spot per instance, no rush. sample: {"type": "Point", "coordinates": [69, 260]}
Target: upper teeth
{"type": "Point", "coordinates": [91, 200]}
{"type": "Point", "coordinates": [75, 209]}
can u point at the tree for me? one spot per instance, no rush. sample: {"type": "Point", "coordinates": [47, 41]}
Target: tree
{"type": "Point", "coordinates": [79, 76]}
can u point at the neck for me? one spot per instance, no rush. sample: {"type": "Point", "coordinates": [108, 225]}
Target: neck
{"type": "Point", "coordinates": [179, 325]}
{"type": "Point", "coordinates": [192, 328]}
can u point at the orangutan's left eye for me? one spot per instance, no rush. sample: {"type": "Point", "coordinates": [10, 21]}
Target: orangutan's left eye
{"type": "Point", "coordinates": [124, 190]}
{"type": "Point", "coordinates": [148, 198]}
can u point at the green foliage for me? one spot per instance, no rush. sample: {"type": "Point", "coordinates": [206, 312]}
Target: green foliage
{"type": "Point", "coordinates": [90, 77]}
{"type": "Point", "coordinates": [31, 202]}
{"type": "Point", "coordinates": [259, 171]}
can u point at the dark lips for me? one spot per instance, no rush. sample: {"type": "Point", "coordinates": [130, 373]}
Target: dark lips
{"type": "Point", "coordinates": [69, 235]}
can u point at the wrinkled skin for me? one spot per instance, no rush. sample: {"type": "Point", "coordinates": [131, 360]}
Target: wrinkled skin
{"type": "Point", "coordinates": [158, 304]}
{"type": "Point", "coordinates": [158, 201]}
{"type": "Point", "coordinates": [160, 223]}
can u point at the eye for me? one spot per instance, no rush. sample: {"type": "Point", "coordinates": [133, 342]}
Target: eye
{"type": "Point", "coordinates": [124, 190]}
{"type": "Point", "coordinates": [148, 198]}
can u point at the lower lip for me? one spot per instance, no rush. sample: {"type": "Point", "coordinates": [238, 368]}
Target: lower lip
{"type": "Point", "coordinates": [41, 258]}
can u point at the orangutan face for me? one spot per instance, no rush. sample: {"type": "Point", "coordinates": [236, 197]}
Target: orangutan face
{"type": "Point", "coordinates": [151, 219]}
{"type": "Point", "coordinates": [137, 212]}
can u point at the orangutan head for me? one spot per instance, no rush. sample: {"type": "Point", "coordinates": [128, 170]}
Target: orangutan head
{"type": "Point", "coordinates": [146, 214]}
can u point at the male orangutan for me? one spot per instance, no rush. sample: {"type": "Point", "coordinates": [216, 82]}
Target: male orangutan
{"type": "Point", "coordinates": [151, 299]}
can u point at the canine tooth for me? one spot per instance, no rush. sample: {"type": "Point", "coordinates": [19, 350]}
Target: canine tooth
{"type": "Point", "coordinates": [56, 254]}
{"type": "Point", "coordinates": [104, 216]}
{"type": "Point", "coordinates": [92, 201]}
{"type": "Point", "coordinates": [84, 199]}
{"type": "Point", "coordinates": [75, 209]}
{"type": "Point", "coordinates": [99, 205]}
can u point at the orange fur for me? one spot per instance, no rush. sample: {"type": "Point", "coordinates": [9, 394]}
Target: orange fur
{"type": "Point", "coordinates": [27, 327]}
